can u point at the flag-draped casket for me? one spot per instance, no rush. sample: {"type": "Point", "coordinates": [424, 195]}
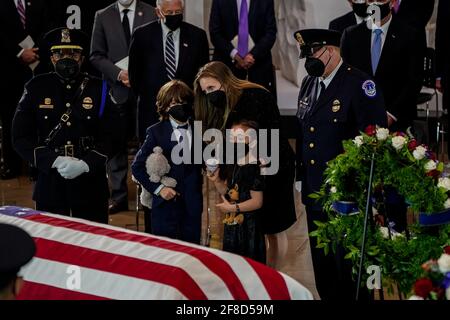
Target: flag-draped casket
{"type": "Point", "coordinates": [78, 259]}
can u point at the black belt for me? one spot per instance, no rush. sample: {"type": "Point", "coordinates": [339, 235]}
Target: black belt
{"type": "Point", "coordinates": [70, 150]}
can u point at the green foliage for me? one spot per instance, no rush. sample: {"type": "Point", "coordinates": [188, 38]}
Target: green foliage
{"type": "Point", "coordinates": [414, 177]}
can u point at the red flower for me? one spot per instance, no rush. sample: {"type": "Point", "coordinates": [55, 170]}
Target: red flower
{"type": "Point", "coordinates": [434, 174]}
{"type": "Point", "coordinates": [412, 145]}
{"type": "Point", "coordinates": [371, 130]}
{"type": "Point", "coordinates": [447, 249]}
{"type": "Point", "coordinates": [423, 287]}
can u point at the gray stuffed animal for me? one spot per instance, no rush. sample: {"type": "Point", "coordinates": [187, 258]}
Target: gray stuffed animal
{"type": "Point", "coordinates": [157, 167]}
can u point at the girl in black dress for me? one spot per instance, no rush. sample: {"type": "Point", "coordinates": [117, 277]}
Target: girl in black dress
{"type": "Point", "coordinates": [242, 194]}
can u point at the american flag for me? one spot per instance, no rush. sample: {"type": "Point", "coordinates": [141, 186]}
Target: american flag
{"type": "Point", "coordinates": [82, 260]}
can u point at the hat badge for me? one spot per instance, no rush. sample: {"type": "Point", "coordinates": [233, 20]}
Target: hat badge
{"type": "Point", "coordinates": [299, 38]}
{"type": "Point", "coordinates": [65, 36]}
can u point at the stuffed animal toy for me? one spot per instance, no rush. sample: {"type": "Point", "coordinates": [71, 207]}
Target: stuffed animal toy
{"type": "Point", "coordinates": [157, 167]}
{"type": "Point", "coordinates": [233, 198]}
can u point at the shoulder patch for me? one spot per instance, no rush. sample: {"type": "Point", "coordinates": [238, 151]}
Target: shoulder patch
{"type": "Point", "coordinates": [369, 88]}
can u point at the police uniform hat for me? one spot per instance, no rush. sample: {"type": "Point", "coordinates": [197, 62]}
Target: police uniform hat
{"type": "Point", "coordinates": [17, 248]}
{"type": "Point", "coordinates": [310, 39]}
{"type": "Point", "coordinates": [65, 38]}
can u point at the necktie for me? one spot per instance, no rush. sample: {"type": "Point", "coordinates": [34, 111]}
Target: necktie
{"type": "Point", "coordinates": [21, 11]}
{"type": "Point", "coordinates": [243, 30]}
{"type": "Point", "coordinates": [322, 90]}
{"type": "Point", "coordinates": [396, 6]}
{"type": "Point", "coordinates": [170, 56]}
{"type": "Point", "coordinates": [376, 49]}
{"type": "Point", "coordinates": [126, 26]}
{"type": "Point", "coordinates": [183, 134]}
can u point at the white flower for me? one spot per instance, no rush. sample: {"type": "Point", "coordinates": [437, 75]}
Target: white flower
{"type": "Point", "coordinates": [398, 142]}
{"type": "Point", "coordinates": [358, 141]}
{"type": "Point", "coordinates": [447, 204]}
{"type": "Point", "coordinates": [414, 297]}
{"type": "Point", "coordinates": [394, 234]}
{"type": "Point", "coordinates": [444, 183]}
{"type": "Point", "coordinates": [419, 153]}
{"type": "Point", "coordinates": [382, 134]}
{"type": "Point", "coordinates": [430, 165]}
{"type": "Point", "coordinates": [384, 232]}
{"type": "Point", "coordinates": [444, 263]}
{"type": "Point", "coordinates": [333, 190]}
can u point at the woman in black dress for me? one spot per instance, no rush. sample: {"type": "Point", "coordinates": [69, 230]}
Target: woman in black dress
{"type": "Point", "coordinates": [221, 99]}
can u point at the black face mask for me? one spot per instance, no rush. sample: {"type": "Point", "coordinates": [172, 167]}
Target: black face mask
{"type": "Point", "coordinates": [174, 22]}
{"type": "Point", "coordinates": [360, 9]}
{"type": "Point", "coordinates": [315, 67]}
{"type": "Point", "coordinates": [385, 9]}
{"type": "Point", "coordinates": [67, 68]}
{"type": "Point", "coordinates": [217, 98]}
{"type": "Point", "coordinates": [181, 112]}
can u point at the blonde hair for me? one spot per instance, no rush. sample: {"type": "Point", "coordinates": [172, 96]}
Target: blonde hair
{"type": "Point", "coordinates": [233, 87]}
{"type": "Point", "coordinates": [174, 90]}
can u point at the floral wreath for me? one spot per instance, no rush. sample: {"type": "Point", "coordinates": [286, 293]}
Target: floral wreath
{"type": "Point", "coordinates": [402, 164]}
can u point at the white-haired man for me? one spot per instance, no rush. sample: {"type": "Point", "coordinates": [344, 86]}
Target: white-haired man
{"type": "Point", "coordinates": [161, 51]}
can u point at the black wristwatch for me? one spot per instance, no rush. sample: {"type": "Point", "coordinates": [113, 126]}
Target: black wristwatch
{"type": "Point", "coordinates": [238, 210]}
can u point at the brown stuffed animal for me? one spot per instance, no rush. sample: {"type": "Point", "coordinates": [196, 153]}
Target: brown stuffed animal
{"type": "Point", "coordinates": [230, 217]}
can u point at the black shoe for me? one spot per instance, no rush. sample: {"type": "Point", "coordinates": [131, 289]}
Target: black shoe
{"type": "Point", "coordinates": [116, 207]}
{"type": "Point", "coordinates": [7, 174]}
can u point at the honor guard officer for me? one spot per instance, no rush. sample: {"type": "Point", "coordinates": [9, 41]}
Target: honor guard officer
{"type": "Point", "coordinates": [17, 248]}
{"type": "Point", "coordinates": [335, 102]}
{"type": "Point", "coordinates": [60, 127]}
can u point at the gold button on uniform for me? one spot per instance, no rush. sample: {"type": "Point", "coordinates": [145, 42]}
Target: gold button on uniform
{"type": "Point", "coordinates": [68, 123]}
{"type": "Point", "coordinates": [311, 145]}
{"type": "Point", "coordinates": [67, 104]}
{"type": "Point", "coordinates": [335, 120]}
{"type": "Point", "coordinates": [69, 87]}
{"type": "Point", "coordinates": [312, 129]}
{"type": "Point", "coordinates": [312, 162]}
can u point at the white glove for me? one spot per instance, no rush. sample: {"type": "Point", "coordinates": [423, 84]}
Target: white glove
{"type": "Point", "coordinates": [72, 168]}
{"type": "Point", "coordinates": [60, 161]}
{"type": "Point", "coordinates": [298, 186]}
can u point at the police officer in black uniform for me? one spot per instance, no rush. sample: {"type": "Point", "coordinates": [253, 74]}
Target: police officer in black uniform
{"type": "Point", "coordinates": [17, 248]}
{"type": "Point", "coordinates": [61, 128]}
{"type": "Point", "coordinates": [335, 102]}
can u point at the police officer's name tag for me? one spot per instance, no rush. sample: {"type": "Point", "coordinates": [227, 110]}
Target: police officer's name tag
{"type": "Point", "coordinates": [369, 88]}
{"type": "Point", "coordinates": [47, 104]}
{"type": "Point", "coordinates": [303, 106]}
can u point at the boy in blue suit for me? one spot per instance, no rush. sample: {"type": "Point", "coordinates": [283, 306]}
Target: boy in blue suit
{"type": "Point", "coordinates": [176, 212]}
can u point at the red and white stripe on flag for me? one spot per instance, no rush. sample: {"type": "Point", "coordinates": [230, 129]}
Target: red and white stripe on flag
{"type": "Point", "coordinates": [79, 259]}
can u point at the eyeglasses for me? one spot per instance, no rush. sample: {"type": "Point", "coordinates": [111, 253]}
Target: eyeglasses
{"type": "Point", "coordinates": [309, 51]}
{"type": "Point", "coordinates": [74, 56]}
{"type": "Point", "coordinates": [171, 12]}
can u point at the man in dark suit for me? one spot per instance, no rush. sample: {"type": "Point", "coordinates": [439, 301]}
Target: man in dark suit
{"type": "Point", "coordinates": [18, 20]}
{"type": "Point", "coordinates": [335, 103]}
{"type": "Point", "coordinates": [388, 52]}
{"type": "Point", "coordinates": [416, 12]}
{"type": "Point", "coordinates": [244, 41]}
{"type": "Point", "coordinates": [110, 42]}
{"type": "Point", "coordinates": [356, 16]}
{"type": "Point", "coordinates": [443, 54]}
{"type": "Point", "coordinates": [161, 51]}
